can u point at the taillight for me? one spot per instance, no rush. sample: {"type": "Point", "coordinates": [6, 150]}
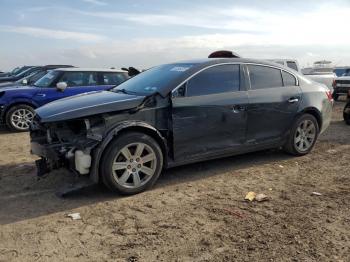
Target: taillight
{"type": "Point", "coordinates": [329, 95]}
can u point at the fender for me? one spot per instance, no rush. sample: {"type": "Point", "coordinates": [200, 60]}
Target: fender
{"type": "Point", "coordinates": [113, 132]}
{"type": "Point", "coordinates": [23, 100]}
{"type": "Point", "coordinates": [17, 101]}
{"type": "Point", "coordinates": [313, 111]}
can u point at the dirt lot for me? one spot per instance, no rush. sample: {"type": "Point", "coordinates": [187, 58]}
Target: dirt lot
{"type": "Point", "coordinates": [195, 213]}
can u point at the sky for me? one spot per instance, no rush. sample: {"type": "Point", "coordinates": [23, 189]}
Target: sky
{"type": "Point", "coordinates": [105, 33]}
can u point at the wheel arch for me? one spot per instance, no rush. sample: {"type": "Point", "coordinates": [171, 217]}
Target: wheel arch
{"type": "Point", "coordinates": [314, 112]}
{"type": "Point", "coordinates": [16, 103]}
{"type": "Point", "coordinates": [130, 126]}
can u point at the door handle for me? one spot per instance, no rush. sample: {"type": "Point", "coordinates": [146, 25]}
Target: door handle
{"type": "Point", "coordinates": [41, 95]}
{"type": "Point", "coordinates": [293, 100]}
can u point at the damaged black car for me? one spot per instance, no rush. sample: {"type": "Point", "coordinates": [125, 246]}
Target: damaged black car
{"type": "Point", "coordinates": [176, 114]}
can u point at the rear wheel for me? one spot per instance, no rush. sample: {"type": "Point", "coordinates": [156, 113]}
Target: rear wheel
{"type": "Point", "coordinates": [131, 163]}
{"type": "Point", "coordinates": [346, 114]}
{"type": "Point", "coordinates": [19, 117]}
{"type": "Point", "coordinates": [303, 136]}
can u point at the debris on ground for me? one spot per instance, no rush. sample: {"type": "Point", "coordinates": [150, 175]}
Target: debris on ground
{"type": "Point", "coordinates": [261, 197]}
{"type": "Point", "coordinates": [331, 151]}
{"type": "Point", "coordinates": [75, 216]}
{"type": "Point", "coordinates": [316, 194]}
{"type": "Point", "coordinates": [250, 196]}
{"type": "Point", "coordinates": [234, 213]}
{"type": "Point", "coordinates": [280, 166]}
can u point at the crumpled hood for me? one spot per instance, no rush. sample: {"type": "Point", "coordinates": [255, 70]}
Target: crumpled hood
{"type": "Point", "coordinates": [87, 104]}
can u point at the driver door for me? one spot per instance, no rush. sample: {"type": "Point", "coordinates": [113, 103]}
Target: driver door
{"type": "Point", "coordinates": [209, 113]}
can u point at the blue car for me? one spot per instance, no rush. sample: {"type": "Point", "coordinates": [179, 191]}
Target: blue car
{"type": "Point", "coordinates": [17, 103]}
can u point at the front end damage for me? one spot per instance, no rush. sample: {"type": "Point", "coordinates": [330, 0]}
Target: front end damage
{"type": "Point", "coordinates": [67, 144]}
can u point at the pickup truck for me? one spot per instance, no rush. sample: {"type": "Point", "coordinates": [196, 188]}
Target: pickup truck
{"type": "Point", "coordinates": [321, 75]}
{"type": "Point", "coordinates": [342, 85]}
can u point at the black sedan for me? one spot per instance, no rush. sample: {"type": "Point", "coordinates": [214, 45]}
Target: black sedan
{"type": "Point", "coordinates": [30, 71]}
{"type": "Point", "coordinates": [177, 114]}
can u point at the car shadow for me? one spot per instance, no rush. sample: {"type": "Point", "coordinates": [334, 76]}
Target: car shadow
{"type": "Point", "coordinates": [4, 130]}
{"type": "Point", "coordinates": [23, 196]}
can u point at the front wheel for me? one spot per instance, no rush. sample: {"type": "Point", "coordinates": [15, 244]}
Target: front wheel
{"type": "Point", "coordinates": [346, 114]}
{"type": "Point", "coordinates": [19, 117]}
{"type": "Point", "coordinates": [303, 136]}
{"type": "Point", "coordinates": [131, 163]}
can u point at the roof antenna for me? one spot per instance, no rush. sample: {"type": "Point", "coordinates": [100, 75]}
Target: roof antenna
{"type": "Point", "coordinates": [223, 54]}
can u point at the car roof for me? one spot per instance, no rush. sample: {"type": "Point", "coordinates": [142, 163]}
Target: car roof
{"type": "Point", "coordinates": [79, 69]}
{"type": "Point", "coordinates": [212, 61]}
{"type": "Point", "coordinates": [56, 66]}
{"type": "Point", "coordinates": [196, 65]}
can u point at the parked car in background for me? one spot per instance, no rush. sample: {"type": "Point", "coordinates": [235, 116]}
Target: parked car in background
{"type": "Point", "coordinates": [341, 70]}
{"type": "Point", "coordinates": [342, 85]}
{"type": "Point", "coordinates": [346, 112]}
{"type": "Point", "coordinates": [34, 76]}
{"type": "Point", "coordinates": [318, 73]}
{"type": "Point", "coordinates": [15, 71]}
{"type": "Point", "coordinates": [180, 113]}
{"type": "Point", "coordinates": [17, 103]}
{"type": "Point", "coordinates": [24, 73]}
{"type": "Point", "coordinates": [293, 64]}
{"type": "Point", "coordinates": [321, 72]}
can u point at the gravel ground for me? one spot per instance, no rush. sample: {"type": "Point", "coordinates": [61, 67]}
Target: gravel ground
{"type": "Point", "coordinates": [194, 213]}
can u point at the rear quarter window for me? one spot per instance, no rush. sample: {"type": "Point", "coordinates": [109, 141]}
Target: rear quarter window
{"type": "Point", "coordinates": [288, 79]}
{"type": "Point", "coordinates": [292, 65]}
{"type": "Point", "coordinates": [111, 78]}
{"type": "Point", "coordinates": [262, 77]}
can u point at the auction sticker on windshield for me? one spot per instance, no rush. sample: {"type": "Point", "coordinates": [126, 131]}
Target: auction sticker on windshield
{"type": "Point", "coordinates": [179, 68]}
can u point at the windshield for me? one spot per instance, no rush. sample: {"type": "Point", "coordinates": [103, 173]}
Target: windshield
{"type": "Point", "coordinates": [346, 73]}
{"type": "Point", "coordinates": [47, 79]}
{"type": "Point", "coordinates": [152, 80]}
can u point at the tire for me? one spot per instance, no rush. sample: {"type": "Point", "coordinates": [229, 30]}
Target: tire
{"type": "Point", "coordinates": [298, 143]}
{"type": "Point", "coordinates": [346, 114]}
{"type": "Point", "coordinates": [131, 175]}
{"type": "Point", "coordinates": [19, 117]}
{"type": "Point", "coordinates": [335, 97]}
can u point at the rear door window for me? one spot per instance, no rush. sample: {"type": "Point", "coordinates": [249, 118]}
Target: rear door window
{"type": "Point", "coordinates": [79, 78]}
{"type": "Point", "coordinates": [288, 79]}
{"type": "Point", "coordinates": [264, 77]}
{"type": "Point", "coordinates": [214, 80]}
{"type": "Point", "coordinates": [113, 78]}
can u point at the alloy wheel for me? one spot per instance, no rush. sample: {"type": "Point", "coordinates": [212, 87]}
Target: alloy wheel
{"type": "Point", "coordinates": [21, 118]}
{"type": "Point", "coordinates": [305, 135]}
{"type": "Point", "coordinates": [134, 165]}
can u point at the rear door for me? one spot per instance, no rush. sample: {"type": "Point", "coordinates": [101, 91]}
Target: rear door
{"type": "Point", "coordinates": [274, 98]}
{"type": "Point", "coordinates": [209, 113]}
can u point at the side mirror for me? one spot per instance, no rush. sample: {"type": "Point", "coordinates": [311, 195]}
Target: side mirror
{"type": "Point", "coordinates": [61, 86]}
{"type": "Point", "coordinates": [24, 81]}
